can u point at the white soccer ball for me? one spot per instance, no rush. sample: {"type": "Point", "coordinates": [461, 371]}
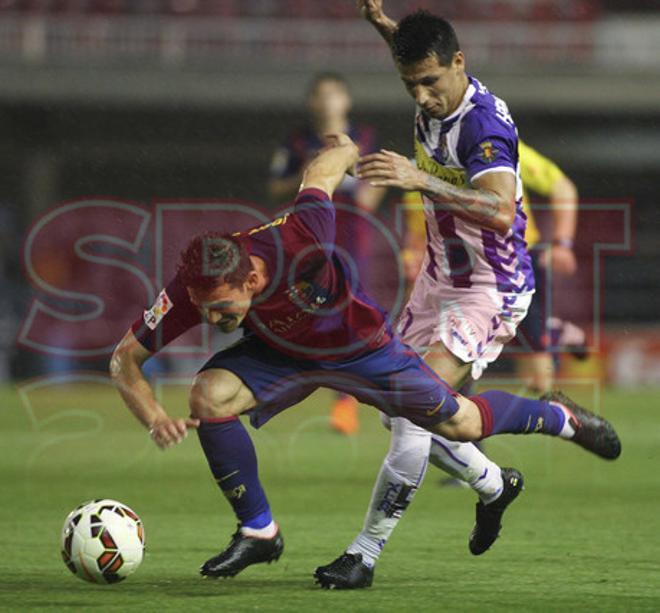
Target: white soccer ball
{"type": "Point", "coordinates": [102, 541]}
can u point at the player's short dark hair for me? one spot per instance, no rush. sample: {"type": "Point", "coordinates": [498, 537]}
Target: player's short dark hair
{"type": "Point", "coordinates": [213, 259]}
{"type": "Point", "coordinates": [422, 34]}
{"type": "Point", "coordinates": [324, 77]}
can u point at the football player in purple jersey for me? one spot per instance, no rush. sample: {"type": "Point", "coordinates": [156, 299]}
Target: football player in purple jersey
{"type": "Point", "coordinates": [475, 284]}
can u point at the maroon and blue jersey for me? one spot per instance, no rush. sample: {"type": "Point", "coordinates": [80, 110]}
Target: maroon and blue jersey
{"type": "Point", "coordinates": [311, 327]}
{"type": "Point", "coordinates": [313, 306]}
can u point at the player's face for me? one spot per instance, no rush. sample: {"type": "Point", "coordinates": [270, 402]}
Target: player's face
{"type": "Point", "coordinates": [225, 306]}
{"type": "Point", "coordinates": [330, 100]}
{"type": "Point", "coordinates": [436, 88]}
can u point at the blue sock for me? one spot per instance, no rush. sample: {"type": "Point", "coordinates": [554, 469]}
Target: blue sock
{"type": "Point", "coordinates": [233, 462]}
{"type": "Point", "coordinates": [502, 413]}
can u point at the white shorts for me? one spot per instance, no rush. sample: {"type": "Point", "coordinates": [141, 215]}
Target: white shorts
{"type": "Point", "coordinates": [474, 325]}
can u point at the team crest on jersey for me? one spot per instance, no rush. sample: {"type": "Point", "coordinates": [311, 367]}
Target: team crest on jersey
{"type": "Point", "coordinates": [488, 152]}
{"type": "Point", "coordinates": [307, 295]}
{"type": "Point", "coordinates": [162, 307]}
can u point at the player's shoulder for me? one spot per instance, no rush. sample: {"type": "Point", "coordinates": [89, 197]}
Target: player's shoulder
{"type": "Point", "coordinates": [486, 114]}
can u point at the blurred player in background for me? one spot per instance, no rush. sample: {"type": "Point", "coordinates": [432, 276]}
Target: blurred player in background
{"type": "Point", "coordinates": [543, 177]}
{"type": "Point", "coordinates": [476, 280]}
{"type": "Point", "coordinates": [329, 105]}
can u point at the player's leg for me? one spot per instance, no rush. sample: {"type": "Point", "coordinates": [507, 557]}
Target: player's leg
{"type": "Point", "coordinates": [236, 380]}
{"type": "Point", "coordinates": [496, 487]}
{"type": "Point", "coordinates": [419, 325]}
{"type": "Point", "coordinates": [415, 391]}
{"type": "Point", "coordinates": [469, 328]}
{"type": "Point", "coordinates": [401, 474]}
{"type": "Point", "coordinates": [468, 318]}
{"type": "Point", "coordinates": [496, 412]}
{"type": "Point", "coordinates": [217, 398]}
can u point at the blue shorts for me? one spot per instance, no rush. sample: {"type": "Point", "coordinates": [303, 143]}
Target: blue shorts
{"type": "Point", "coordinates": [394, 379]}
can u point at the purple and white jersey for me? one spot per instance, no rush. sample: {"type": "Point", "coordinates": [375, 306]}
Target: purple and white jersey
{"type": "Point", "coordinates": [478, 138]}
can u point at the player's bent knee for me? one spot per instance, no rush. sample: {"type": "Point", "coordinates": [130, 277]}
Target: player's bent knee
{"type": "Point", "coordinates": [218, 393]}
{"type": "Point", "coordinates": [465, 425]}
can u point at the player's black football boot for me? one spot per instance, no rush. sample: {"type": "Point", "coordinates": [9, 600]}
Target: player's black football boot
{"type": "Point", "coordinates": [489, 516]}
{"type": "Point", "coordinates": [243, 551]}
{"type": "Point", "coordinates": [347, 572]}
{"type": "Point", "coordinates": [592, 432]}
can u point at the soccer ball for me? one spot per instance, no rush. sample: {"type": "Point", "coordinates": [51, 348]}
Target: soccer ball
{"type": "Point", "coordinates": [102, 541]}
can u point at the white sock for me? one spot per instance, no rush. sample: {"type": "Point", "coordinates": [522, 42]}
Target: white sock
{"type": "Point", "coordinates": [400, 476]}
{"type": "Point", "coordinates": [567, 431]}
{"type": "Point", "coordinates": [465, 461]}
{"type": "Point", "coordinates": [267, 532]}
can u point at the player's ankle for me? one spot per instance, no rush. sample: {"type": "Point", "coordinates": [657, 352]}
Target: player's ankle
{"type": "Point", "coordinates": [370, 549]}
{"type": "Point", "coordinates": [568, 429]}
{"type": "Point", "coordinates": [267, 532]}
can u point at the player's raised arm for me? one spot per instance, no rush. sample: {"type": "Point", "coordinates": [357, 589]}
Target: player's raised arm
{"type": "Point", "coordinates": [126, 371]}
{"type": "Point", "coordinates": [372, 11]}
{"type": "Point", "coordinates": [326, 171]}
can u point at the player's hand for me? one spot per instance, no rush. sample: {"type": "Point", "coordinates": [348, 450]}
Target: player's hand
{"type": "Point", "coordinates": [344, 140]}
{"type": "Point", "coordinates": [559, 259]}
{"type": "Point", "coordinates": [371, 10]}
{"type": "Point", "coordinates": [168, 432]}
{"type": "Point", "coordinates": [389, 169]}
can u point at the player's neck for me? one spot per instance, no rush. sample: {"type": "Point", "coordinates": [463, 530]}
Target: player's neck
{"type": "Point", "coordinates": [262, 270]}
{"type": "Point", "coordinates": [465, 82]}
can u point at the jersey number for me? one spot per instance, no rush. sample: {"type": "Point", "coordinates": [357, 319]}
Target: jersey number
{"type": "Point", "coordinates": [502, 111]}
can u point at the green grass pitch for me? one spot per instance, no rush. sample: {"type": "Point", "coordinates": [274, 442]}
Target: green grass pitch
{"type": "Point", "coordinates": [584, 535]}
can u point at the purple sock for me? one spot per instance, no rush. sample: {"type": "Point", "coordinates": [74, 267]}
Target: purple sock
{"type": "Point", "coordinates": [233, 462]}
{"type": "Point", "coordinates": [505, 413]}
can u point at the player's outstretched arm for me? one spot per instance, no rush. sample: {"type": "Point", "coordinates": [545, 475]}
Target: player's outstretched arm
{"type": "Point", "coordinates": [372, 11]}
{"type": "Point", "coordinates": [490, 203]}
{"type": "Point", "coordinates": [326, 171]}
{"type": "Point", "coordinates": [126, 371]}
